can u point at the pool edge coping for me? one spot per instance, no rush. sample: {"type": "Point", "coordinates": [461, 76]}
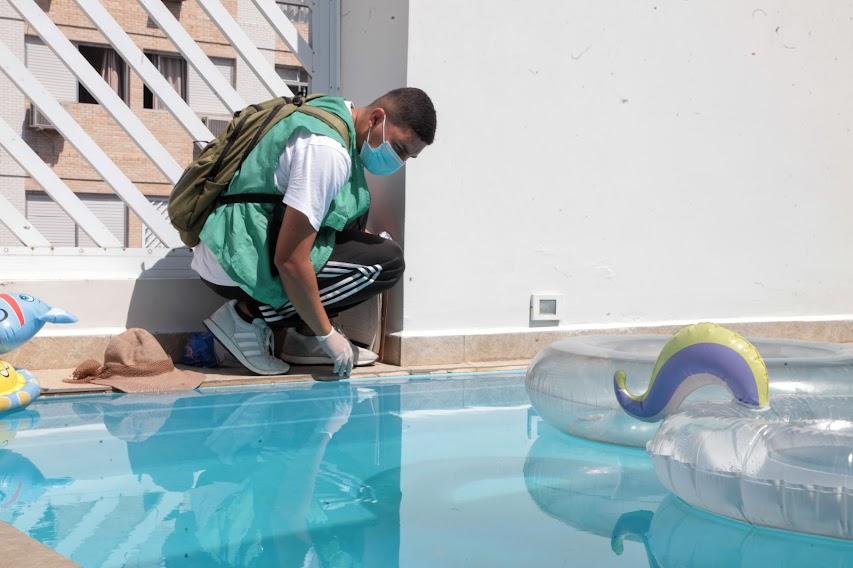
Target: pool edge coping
{"type": "Point", "coordinates": [52, 385]}
{"type": "Point", "coordinates": [23, 551]}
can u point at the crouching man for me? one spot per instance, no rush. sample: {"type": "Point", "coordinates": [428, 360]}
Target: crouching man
{"type": "Point", "coordinates": [309, 260]}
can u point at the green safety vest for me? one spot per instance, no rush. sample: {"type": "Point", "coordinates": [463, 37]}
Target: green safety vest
{"type": "Point", "coordinates": [237, 233]}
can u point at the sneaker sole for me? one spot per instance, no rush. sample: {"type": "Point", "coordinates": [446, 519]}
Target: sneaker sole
{"type": "Point", "coordinates": [229, 345]}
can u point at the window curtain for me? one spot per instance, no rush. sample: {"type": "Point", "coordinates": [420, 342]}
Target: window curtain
{"type": "Point", "coordinates": [172, 68]}
{"type": "Point", "coordinates": [110, 70]}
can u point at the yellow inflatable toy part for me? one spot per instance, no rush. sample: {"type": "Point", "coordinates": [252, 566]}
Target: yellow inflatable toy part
{"type": "Point", "coordinates": [695, 356]}
{"type": "Point", "coordinates": [17, 388]}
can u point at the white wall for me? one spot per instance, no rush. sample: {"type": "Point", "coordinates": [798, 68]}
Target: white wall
{"type": "Point", "coordinates": [652, 161]}
{"type": "Point", "coordinates": [374, 35]}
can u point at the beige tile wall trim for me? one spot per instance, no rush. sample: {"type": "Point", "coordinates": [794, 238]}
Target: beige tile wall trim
{"type": "Point", "coordinates": [60, 352]}
{"type": "Point", "coordinates": [21, 551]}
{"type": "Point", "coordinates": [409, 352]}
{"type": "Point", "coordinates": [429, 350]}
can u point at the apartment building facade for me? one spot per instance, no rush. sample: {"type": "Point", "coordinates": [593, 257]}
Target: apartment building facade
{"type": "Point", "coordinates": [26, 194]}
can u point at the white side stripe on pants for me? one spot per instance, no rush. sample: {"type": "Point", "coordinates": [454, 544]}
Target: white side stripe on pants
{"type": "Point", "coordinates": [361, 277]}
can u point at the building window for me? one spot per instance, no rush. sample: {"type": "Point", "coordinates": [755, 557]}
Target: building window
{"type": "Point", "coordinates": [110, 66]}
{"type": "Point", "coordinates": [201, 98]}
{"type": "Point", "coordinates": [296, 78]}
{"type": "Point", "coordinates": [174, 69]}
{"type": "Point", "coordinates": [298, 12]}
{"type": "Point", "coordinates": [58, 228]}
{"type": "Point", "coordinates": [49, 70]}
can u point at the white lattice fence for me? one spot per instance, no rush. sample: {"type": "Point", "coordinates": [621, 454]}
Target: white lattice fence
{"type": "Point", "coordinates": [96, 223]}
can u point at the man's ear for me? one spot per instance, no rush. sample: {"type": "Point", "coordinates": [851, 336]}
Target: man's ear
{"type": "Point", "coordinates": [376, 115]}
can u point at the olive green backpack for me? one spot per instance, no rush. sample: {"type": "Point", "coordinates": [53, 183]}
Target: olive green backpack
{"type": "Point", "coordinates": [202, 185]}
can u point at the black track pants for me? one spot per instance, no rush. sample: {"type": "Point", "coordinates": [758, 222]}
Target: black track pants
{"type": "Point", "coordinates": [361, 266]}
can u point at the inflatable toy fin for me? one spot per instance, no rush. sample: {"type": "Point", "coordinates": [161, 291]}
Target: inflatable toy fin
{"type": "Point", "coordinates": [22, 316]}
{"type": "Point", "coordinates": [632, 526]}
{"type": "Point", "coordinates": [696, 356]}
{"type": "Point", "coordinates": [57, 315]}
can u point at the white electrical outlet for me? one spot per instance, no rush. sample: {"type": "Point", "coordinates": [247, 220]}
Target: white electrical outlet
{"type": "Point", "coordinates": [545, 307]}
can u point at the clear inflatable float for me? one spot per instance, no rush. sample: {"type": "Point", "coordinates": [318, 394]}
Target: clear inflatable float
{"type": "Point", "coordinates": [613, 492]}
{"type": "Point", "coordinates": [768, 442]}
{"type": "Point", "coordinates": [570, 382]}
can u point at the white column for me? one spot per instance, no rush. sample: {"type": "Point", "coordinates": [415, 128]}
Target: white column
{"type": "Point", "coordinates": [326, 33]}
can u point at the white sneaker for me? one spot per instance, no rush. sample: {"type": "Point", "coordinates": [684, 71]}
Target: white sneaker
{"type": "Point", "coordinates": [250, 343]}
{"type": "Point", "coordinates": [300, 349]}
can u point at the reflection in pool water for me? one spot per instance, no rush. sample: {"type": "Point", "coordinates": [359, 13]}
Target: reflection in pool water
{"type": "Point", "coordinates": [452, 471]}
{"type": "Point", "coordinates": [680, 535]}
{"type": "Point", "coordinates": [614, 492]}
{"type": "Point", "coordinates": [236, 479]}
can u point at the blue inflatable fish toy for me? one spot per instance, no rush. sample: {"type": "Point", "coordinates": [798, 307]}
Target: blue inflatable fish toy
{"type": "Point", "coordinates": [698, 355]}
{"type": "Point", "coordinates": [22, 316]}
{"type": "Point", "coordinates": [21, 483]}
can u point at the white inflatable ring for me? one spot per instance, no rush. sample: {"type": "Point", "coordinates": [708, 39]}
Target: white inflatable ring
{"type": "Point", "coordinates": [788, 467]}
{"type": "Point", "coordinates": [18, 388]}
{"type": "Point", "coordinates": [570, 382]}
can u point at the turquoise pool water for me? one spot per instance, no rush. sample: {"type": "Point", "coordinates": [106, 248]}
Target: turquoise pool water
{"type": "Point", "coordinates": [449, 471]}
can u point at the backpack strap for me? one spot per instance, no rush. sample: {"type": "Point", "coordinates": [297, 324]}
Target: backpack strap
{"type": "Point", "coordinates": [249, 198]}
{"type": "Point", "coordinates": [235, 134]}
{"type": "Point", "coordinates": [277, 104]}
{"type": "Point", "coordinates": [330, 119]}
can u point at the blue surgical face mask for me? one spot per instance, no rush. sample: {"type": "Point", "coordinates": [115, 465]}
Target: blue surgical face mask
{"type": "Point", "coordinates": [382, 160]}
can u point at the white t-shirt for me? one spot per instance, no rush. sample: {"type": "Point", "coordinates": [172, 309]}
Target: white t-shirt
{"type": "Point", "coordinates": [310, 173]}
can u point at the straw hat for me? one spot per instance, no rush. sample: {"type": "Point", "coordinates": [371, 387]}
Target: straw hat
{"type": "Point", "coordinates": [134, 362]}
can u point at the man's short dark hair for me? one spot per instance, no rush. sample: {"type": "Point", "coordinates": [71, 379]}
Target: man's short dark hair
{"type": "Point", "coordinates": [409, 107]}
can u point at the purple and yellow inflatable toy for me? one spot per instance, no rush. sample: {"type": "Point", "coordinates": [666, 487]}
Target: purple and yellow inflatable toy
{"type": "Point", "coordinates": [696, 356]}
{"type": "Point", "coordinates": [21, 317]}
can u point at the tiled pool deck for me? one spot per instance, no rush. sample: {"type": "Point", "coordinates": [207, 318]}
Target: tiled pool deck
{"type": "Point", "coordinates": [21, 551]}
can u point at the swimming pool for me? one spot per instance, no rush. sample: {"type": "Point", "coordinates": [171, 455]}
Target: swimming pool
{"type": "Point", "coordinates": [430, 471]}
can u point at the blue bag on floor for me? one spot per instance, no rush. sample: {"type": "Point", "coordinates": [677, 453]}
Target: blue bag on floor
{"type": "Point", "coordinates": [199, 350]}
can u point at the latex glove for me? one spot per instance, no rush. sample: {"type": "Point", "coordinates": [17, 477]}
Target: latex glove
{"type": "Point", "coordinates": [340, 415]}
{"type": "Point", "coordinates": [339, 349]}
